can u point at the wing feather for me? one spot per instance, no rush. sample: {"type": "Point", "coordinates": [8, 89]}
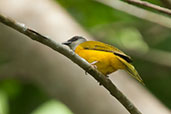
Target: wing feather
{"type": "Point", "coordinates": [99, 46]}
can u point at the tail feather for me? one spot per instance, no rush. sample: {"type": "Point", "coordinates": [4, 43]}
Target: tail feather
{"type": "Point", "coordinates": [131, 70]}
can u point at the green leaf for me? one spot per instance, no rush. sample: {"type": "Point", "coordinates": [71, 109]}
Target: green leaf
{"type": "Point", "coordinates": [3, 103]}
{"type": "Point", "coordinates": [52, 107]}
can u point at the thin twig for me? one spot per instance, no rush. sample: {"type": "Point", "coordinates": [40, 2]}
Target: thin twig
{"type": "Point", "coordinates": [149, 5]}
{"type": "Point", "coordinates": [107, 83]}
{"type": "Point", "coordinates": [138, 12]}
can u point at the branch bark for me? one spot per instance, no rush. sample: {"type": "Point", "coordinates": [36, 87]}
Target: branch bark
{"type": "Point", "coordinates": [138, 12]}
{"type": "Point", "coordinates": [107, 83]}
{"type": "Point", "coordinates": [149, 5]}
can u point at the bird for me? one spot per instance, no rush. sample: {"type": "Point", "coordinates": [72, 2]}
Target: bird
{"type": "Point", "coordinates": [106, 58]}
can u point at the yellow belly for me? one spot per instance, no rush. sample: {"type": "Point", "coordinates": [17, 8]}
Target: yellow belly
{"type": "Point", "coordinates": [106, 62]}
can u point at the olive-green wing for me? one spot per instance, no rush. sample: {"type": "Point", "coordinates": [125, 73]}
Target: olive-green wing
{"type": "Point", "coordinates": [131, 70]}
{"type": "Point", "coordinates": [99, 46]}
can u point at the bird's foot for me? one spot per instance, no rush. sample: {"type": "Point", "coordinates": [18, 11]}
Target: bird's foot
{"type": "Point", "coordinates": [93, 64]}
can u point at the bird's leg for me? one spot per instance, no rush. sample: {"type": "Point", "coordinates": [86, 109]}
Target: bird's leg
{"type": "Point", "coordinates": [93, 64]}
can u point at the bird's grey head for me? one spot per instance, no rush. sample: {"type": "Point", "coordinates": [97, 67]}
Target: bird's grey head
{"type": "Point", "coordinates": [74, 42]}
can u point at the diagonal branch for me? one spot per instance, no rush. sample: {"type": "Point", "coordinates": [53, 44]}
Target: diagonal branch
{"type": "Point", "coordinates": [107, 83]}
{"type": "Point", "coordinates": [138, 12]}
{"type": "Point", "coordinates": [149, 5]}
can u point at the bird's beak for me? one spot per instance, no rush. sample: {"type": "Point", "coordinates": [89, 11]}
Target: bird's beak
{"type": "Point", "coordinates": [66, 43]}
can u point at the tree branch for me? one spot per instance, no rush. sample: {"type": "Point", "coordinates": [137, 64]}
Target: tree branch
{"type": "Point", "coordinates": [138, 12]}
{"type": "Point", "coordinates": [149, 5]}
{"type": "Point", "coordinates": [107, 83]}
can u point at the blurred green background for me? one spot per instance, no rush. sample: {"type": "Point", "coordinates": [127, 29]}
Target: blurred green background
{"type": "Point", "coordinates": [108, 25]}
{"type": "Point", "coordinates": [126, 31]}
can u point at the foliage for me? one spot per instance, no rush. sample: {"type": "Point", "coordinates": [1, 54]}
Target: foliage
{"type": "Point", "coordinates": [15, 94]}
{"type": "Point", "coordinates": [111, 26]}
{"type": "Point", "coordinates": [52, 107]}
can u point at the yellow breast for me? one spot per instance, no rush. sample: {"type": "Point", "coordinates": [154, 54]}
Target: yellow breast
{"type": "Point", "coordinates": [106, 62]}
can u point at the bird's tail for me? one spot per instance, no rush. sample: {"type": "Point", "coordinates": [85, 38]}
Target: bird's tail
{"type": "Point", "coordinates": [131, 70]}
